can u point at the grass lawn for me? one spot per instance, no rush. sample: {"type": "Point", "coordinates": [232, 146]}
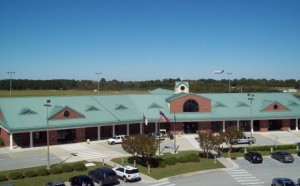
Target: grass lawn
{"type": "Point", "coordinates": [31, 93]}
{"type": "Point", "coordinates": [177, 169]}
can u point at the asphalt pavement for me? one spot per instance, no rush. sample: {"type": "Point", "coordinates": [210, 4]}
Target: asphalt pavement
{"type": "Point", "coordinates": [102, 152]}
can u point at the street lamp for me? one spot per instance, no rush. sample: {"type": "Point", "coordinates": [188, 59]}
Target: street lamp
{"type": "Point", "coordinates": [47, 105]}
{"type": "Point", "coordinates": [98, 74]}
{"type": "Point", "coordinates": [10, 83]}
{"type": "Point", "coordinates": [251, 98]}
{"type": "Point", "coordinates": [229, 73]}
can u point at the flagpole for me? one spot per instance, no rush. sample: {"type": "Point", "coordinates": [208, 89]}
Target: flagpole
{"type": "Point", "coordinates": [174, 128]}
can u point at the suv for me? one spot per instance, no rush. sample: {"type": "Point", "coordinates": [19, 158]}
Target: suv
{"type": "Point", "coordinates": [104, 176]}
{"type": "Point", "coordinates": [128, 173]}
{"type": "Point", "coordinates": [245, 140]}
{"type": "Point", "coordinates": [116, 139]}
{"type": "Point", "coordinates": [283, 182]}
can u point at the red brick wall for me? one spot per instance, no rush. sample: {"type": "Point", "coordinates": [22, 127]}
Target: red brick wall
{"type": "Point", "coordinates": [52, 137]}
{"type": "Point", "coordinates": [204, 126]}
{"type": "Point", "coordinates": [285, 124]}
{"type": "Point", "coordinates": [80, 135]}
{"type": "Point", "coordinates": [72, 115]}
{"type": "Point", "coordinates": [271, 107]}
{"type": "Point", "coordinates": [5, 137]}
{"type": "Point", "coordinates": [177, 105]}
{"type": "Point", "coordinates": [178, 128]}
{"type": "Point", "coordinates": [263, 125]}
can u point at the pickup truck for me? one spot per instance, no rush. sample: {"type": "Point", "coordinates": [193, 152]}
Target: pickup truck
{"type": "Point", "coordinates": [116, 139]}
{"type": "Point", "coordinates": [245, 140]}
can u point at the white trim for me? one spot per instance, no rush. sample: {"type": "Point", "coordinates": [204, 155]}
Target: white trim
{"type": "Point", "coordinates": [11, 141]}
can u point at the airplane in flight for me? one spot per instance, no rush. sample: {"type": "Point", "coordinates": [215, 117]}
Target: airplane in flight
{"type": "Point", "coordinates": [218, 71]}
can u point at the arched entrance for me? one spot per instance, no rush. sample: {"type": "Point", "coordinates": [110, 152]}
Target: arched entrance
{"type": "Point", "coordinates": [190, 106]}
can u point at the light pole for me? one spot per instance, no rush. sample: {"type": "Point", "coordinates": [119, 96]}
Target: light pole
{"type": "Point", "coordinates": [98, 74]}
{"type": "Point", "coordinates": [229, 73]}
{"type": "Point", "coordinates": [10, 82]}
{"type": "Point", "coordinates": [251, 98]}
{"type": "Point", "coordinates": [47, 119]}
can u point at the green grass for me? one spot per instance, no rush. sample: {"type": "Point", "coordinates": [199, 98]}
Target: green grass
{"type": "Point", "coordinates": [179, 168]}
{"type": "Point", "coordinates": [41, 180]}
{"type": "Point", "coordinates": [31, 93]}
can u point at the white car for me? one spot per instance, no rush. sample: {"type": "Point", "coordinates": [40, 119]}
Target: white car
{"type": "Point", "coordinates": [128, 173]}
{"type": "Point", "coordinates": [245, 140]}
{"type": "Point", "coordinates": [116, 139]}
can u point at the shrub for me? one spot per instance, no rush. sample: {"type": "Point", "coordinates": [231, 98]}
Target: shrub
{"type": "Point", "coordinates": [79, 166]}
{"type": "Point", "coordinates": [162, 164]}
{"type": "Point", "coordinates": [154, 162]}
{"type": "Point", "coordinates": [42, 172]}
{"type": "Point", "coordinates": [55, 170]}
{"type": "Point", "coordinates": [30, 174]}
{"type": "Point", "coordinates": [15, 176]}
{"type": "Point", "coordinates": [3, 178]}
{"type": "Point", "coordinates": [193, 158]}
{"type": "Point", "coordinates": [171, 160]}
{"type": "Point", "coordinates": [183, 159]}
{"type": "Point", "coordinates": [67, 168]}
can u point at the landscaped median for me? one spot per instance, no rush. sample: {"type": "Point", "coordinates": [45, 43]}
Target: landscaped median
{"type": "Point", "coordinates": [173, 164]}
{"type": "Point", "coordinates": [169, 165]}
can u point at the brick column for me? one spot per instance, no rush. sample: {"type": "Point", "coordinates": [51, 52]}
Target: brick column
{"type": "Point", "coordinates": [80, 135]}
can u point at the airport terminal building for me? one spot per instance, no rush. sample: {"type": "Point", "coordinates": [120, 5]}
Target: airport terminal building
{"type": "Point", "coordinates": [24, 122]}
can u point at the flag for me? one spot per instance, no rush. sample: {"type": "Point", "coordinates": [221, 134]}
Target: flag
{"type": "Point", "coordinates": [145, 120]}
{"type": "Point", "coordinates": [163, 117]}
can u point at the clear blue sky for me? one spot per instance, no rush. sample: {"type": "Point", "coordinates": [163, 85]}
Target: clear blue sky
{"type": "Point", "coordinates": [149, 39]}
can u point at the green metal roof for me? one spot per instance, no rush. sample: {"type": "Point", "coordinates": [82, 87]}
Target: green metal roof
{"type": "Point", "coordinates": [29, 114]}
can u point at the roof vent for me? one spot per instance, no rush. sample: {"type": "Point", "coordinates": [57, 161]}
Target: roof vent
{"type": "Point", "coordinates": [26, 111]}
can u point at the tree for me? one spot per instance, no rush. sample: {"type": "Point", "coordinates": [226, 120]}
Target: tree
{"type": "Point", "coordinates": [140, 145]}
{"type": "Point", "coordinates": [229, 137]}
{"type": "Point", "coordinates": [208, 141]}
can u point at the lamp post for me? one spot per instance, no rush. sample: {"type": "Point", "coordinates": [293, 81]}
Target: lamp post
{"type": "Point", "coordinates": [98, 74]}
{"type": "Point", "coordinates": [10, 82]}
{"type": "Point", "coordinates": [229, 73]}
{"type": "Point", "coordinates": [251, 98]}
{"type": "Point", "coordinates": [47, 119]}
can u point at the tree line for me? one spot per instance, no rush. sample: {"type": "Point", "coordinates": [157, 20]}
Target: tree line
{"type": "Point", "coordinates": [199, 86]}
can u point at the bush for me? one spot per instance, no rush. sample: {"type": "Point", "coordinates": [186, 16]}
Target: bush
{"type": "Point", "coordinates": [3, 178]}
{"type": "Point", "coordinates": [42, 172]}
{"type": "Point", "coordinates": [193, 158]}
{"type": "Point", "coordinates": [154, 162]}
{"type": "Point", "coordinates": [67, 168]}
{"type": "Point", "coordinates": [55, 170]}
{"type": "Point", "coordinates": [183, 159]}
{"type": "Point", "coordinates": [79, 166]}
{"type": "Point", "coordinates": [162, 164]}
{"type": "Point", "coordinates": [30, 174]}
{"type": "Point", "coordinates": [171, 160]}
{"type": "Point", "coordinates": [15, 176]}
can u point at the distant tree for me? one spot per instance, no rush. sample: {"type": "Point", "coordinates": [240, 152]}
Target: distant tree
{"type": "Point", "coordinates": [208, 141]}
{"type": "Point", "coordinates": [140, 145]}
{"type": "Point", "coordinates": [229, 137]}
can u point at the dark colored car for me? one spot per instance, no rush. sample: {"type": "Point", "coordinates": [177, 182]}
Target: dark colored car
{"type": "Point", "coordinates": [81, 180]}
{"type": "Point", "coordinates": [283, 182]}
{"type": "Point", "coordinates": [298, 153]}
{"type": "Point", "coordinates": [253, 157]}
{"type": "Point", "coordinates": [104, 176]}
{"type": "Point", "coordinates": [55, 183]}
{"type": "Point", "coordinates": [283, 156]}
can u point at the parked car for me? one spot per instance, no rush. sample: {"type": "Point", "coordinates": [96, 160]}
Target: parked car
{"type": "Point", "coordinates": [55, 183]}
{"type": "Point", "coordinates": [283, 182]}
{"type": "Point", "coordinates": [253, 157]}
{"type": "Point", "coordinates": [81, 180]}
{"type": "Point", "coordinates": [158, 135]}
{"type": "Point", "coordinates": [283, 156]}
{"type": "Point", "coordinates": [128, 173]}
{"type": "Point", "coordinates": [245, 140]}
{"type": "Point", "coordinates": [298, 153]}
{"type": "Point", "coordinates": [104, 176]}
{"type": "Point", "coordinates": [116, 139]}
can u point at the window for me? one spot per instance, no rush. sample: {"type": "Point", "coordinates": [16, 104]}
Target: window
{"type": "Point", "coordinates": [66, 113]}
{"type": "Point", "coordinates": [190, 106]}
{"type": "Point", "coordinates": [275, 107]}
